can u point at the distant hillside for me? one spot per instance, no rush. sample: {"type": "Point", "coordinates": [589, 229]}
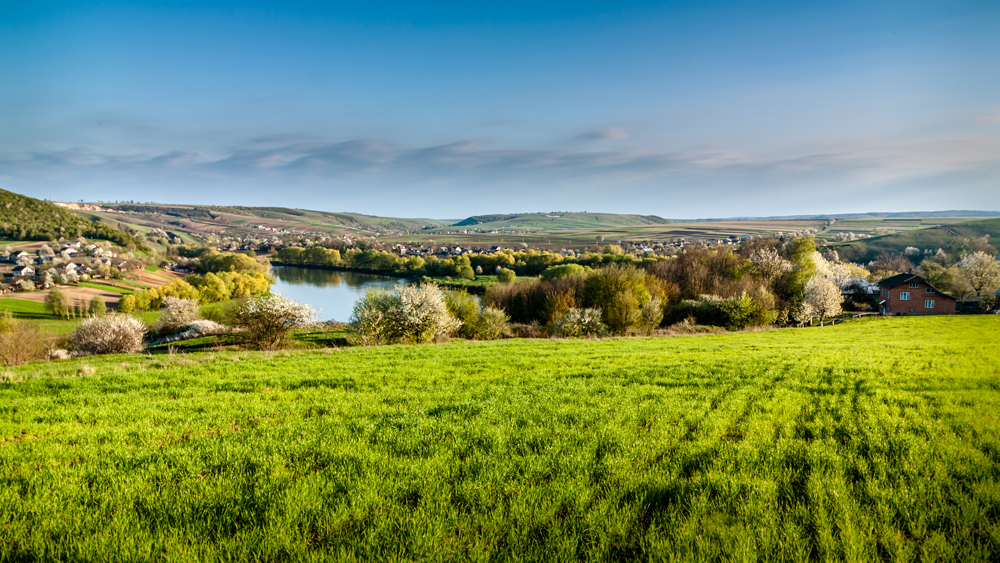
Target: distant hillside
{"type": "Point", "coordinates": [559, 221]}
{"type": "Point", "coordinates": [872, 215]}
{"type": "Point", "coordinates": [199, 220]}
{"type": "Point", "coordinates": [953, 239]}
{"type": "Point", "coordinates": [27, 218]}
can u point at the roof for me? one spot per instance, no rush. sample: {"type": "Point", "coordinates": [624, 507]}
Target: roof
{"type": "Point", "coordinates": [900, 279]}
{"type": "Point", "coordinates": [893, 281]}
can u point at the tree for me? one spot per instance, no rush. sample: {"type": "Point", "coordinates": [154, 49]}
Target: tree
{"type": "Point", "coordinates": [97, 306]}
{"type": "Point", "coordinates": [982, 273]}
{"type": "Point", "coordinates": [268, 320]}
{"type": "Point", "coordinates": [505, 275]}
{"type": "Point", "coordinates": [767, 264]}
{"type": "Point", "coordinates": [404, 314]}
{"type": "Point", "coordinates": [56, 302]}
{"type": "Point", "coordinates": [126, 304]}
{"type": "Point", "coordinates": [822, 299]}
{"type": "Point", "coordinates": [621, 292]}
{"type": "Point", "coordinates": [117, 333]}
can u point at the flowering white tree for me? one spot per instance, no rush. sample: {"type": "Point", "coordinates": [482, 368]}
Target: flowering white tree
{"type": "Point", "coordinates": [981, 272]}
{"type": "Point", "coordinates": [579, 322]}
{"type": "Point", "coordinates": [117, 333]}
{"type": "Point", "coordinates": [267, 320]}
{"type": "Point", "coordinates": [767, 264]}
{"type": "Point", "coordinates": [822, 300]}
{"type": "Point", "coordinates": [407, 313]}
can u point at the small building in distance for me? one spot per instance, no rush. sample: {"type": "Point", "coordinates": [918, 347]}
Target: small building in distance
{"type": "Point", "coordinates": [910, 294]}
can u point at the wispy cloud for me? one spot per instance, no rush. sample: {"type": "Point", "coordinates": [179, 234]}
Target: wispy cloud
{"type": "Point", "coordinates": [380, 156]}
{"type": "Point", "coordinates": [604, 134]}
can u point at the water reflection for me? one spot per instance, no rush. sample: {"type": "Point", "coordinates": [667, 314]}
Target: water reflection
{"type": "Point", "coordinates": [330, 292]}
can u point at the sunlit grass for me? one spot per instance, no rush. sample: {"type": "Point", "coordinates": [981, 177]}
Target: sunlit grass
{"type": "Point", "coordinates": [870, 441]}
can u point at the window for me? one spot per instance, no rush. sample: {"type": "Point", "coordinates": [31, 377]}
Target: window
{"type": "Point", "coordinates": [929, 304]}
{"type": "Point", "coordinates": [904, 295]}
{"type": "Point", "coordinates": [930, 290]}
{"type": "Point", "coordinates": [914, 284]}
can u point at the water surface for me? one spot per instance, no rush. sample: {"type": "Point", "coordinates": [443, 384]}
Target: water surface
{"type": "Point", "coordinates": [331, 293]}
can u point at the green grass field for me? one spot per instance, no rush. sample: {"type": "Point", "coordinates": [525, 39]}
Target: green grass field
{"type": "Point", "coordinates": [875, 440]}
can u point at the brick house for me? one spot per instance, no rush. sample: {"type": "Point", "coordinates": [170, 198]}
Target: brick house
{"type": "Point", "coordinates": [910, 294]}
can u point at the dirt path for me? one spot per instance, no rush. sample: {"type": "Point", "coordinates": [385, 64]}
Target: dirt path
{"type": "Point", "coordinates": [78, 295]}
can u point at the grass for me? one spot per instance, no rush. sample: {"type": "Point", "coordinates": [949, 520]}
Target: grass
{"type": "Point", "coordinates": [876, 440]}
{"type": "Point", "coordinates": [35, 312]}
{"type": "Point", "coordinates": [106, 287]}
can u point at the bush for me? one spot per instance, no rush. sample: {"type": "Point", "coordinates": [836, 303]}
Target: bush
{"type": "Point", "coordinates": [176, 313]}
{"type": "Point", "coordinates": [465, 308]}
{"type": "Point", "coordinates": [579, 322]}
{"type": "Point", "coordinates": [405, 314]}
{"type": "Point", "coordinates": [117, 333]}
{"type": "Point", "coordinates": [555, 272]}
{"type": "Point", "coordinates": [620, 291]}
{"type": "Point", "coordinates": [20, 341]}
{"type": "Point", "coordinates": [268, 320]}
{"type": "Point", "coordinates": [195, 329]}
{"type": "Point", "coordinates": [493, 324]}
{"type": "Point", "coordinates": [650, 315]}
{"type": "Point", "coordinates": [505, 275]}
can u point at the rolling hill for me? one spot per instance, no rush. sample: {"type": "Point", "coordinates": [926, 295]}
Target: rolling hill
{"type": "Point", "coordinates": [27, 218]}
{"type": "Point", "coordinates": [559, 221]}
{"type": "Point", "coordinates": [956, 238]}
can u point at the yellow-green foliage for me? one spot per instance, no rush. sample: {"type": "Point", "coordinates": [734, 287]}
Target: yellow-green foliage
{"type": "Point", "coordinates": [875, 441]}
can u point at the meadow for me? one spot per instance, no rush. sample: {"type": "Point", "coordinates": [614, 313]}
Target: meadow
{"type": "Point", "coordinates": [874, 440]}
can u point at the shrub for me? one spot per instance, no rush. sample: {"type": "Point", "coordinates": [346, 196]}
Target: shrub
{"type": "Point", "coordinates": [620, 291]}
{"type": "Point", "coordinates": [505, 275]}
{"type": "Point", "coordinates": [466, 272]}
{"type": "Point", "coordinates": [267, 320]}
{"type": "Point", "coordinates": [26, 285]}
{"type": "Point", "coordinates": [195, 329]}
{"type": "Point", "coordinates": [405, 314]}
{"type": "Point", "coordinates": [20, 341]}
{"type": "Point", "coordinates": [117, 333]}
{"type": "Point", "coordinates": [176, 313]}
{"type": "Point", "coordinates": [650, 315]}
{"type": "Point", "coordinates": [554, 272]}
{"type": "Point", "coordinates": [465, 308]}
{"type": "Point", "coordinates": [579, 322]}
{"type": "Point", "coordinates": [493, 324]}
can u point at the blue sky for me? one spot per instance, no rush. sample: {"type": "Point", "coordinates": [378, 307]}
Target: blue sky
{"type": "Point", "coordinates": [684, 110]}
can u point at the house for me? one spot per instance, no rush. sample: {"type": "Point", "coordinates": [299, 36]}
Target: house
{"type": "Point", "coordinates": [24, 271]}
{"type": "Point", "coordinates": [910, 294]}
{"type": "Point", "coordinates": [69, 267]}
{"type": "Point", "coordinates": [853, 286]}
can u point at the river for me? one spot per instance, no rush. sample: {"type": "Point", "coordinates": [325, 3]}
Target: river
{"type": "Point", "coordinates": [332, 293]}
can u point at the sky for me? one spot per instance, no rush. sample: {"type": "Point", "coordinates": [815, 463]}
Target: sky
{"type": "Point", "coordinates": [451, 109]}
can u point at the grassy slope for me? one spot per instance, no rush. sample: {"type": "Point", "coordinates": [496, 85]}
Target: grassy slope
{"type": "Point", "coordinates": [557, 221]}
{"type": "Point", "coordinates": [193, 218]}
{"type": "Point", "coordinates": [954, 238]}
{"type": "Point", "coordinates": [877, 440]}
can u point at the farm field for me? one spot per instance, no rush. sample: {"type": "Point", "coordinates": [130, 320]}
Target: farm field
{"type": "Point", "coordinates": [874, 440]}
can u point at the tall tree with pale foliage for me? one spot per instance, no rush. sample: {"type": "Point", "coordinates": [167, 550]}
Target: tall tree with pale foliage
{"type": "Point", "coordinates": [822, 300]}
{"type": "Point", "coordinates": [981, 272]}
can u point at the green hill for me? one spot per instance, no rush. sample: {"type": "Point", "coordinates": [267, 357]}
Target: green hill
{"type": "Point", "coordinates": [27, 218]}
{"type": "Point", "coordinates": [953, 239]}
{"type": "Point", "coordinates": [559, 221]}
